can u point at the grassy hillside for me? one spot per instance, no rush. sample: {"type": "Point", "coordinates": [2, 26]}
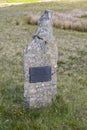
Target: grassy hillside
{"type": "Point", "coordinates": [11, 1]}
{"type": "Point", "coordinates": [69, 110]}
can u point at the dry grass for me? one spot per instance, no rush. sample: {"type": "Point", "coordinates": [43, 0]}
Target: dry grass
{"type": "Point", "coordinates": [32, 19]}
{"type": "Point", "coordinates": [68, 20]}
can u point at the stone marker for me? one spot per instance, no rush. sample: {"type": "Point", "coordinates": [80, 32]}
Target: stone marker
{"type": "Point", "coordinates": [40, 64]}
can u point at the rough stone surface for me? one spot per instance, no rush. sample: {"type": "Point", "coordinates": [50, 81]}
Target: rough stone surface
{"type": "Point", "coordinates": [42, 51]}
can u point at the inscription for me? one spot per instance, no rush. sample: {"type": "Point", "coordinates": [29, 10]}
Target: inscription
{"type": "Point", "coordinates": [39, 74]}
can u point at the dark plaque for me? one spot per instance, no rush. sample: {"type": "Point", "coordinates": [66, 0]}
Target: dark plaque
{"type": "Point", "coordinates": [40, 74]}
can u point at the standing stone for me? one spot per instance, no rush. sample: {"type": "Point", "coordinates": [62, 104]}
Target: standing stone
{"type": "Point", "coordinates": [40, 64]}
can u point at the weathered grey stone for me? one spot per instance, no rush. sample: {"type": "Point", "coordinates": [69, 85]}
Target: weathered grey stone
{"type": "Point", "coordinates": [42, 51]}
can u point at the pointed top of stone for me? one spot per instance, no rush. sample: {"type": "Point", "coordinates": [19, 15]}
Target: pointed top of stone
{"type": "Point", "coordinates": [44, 30]}
{"type": "Point", "coordinates": [46, 16]}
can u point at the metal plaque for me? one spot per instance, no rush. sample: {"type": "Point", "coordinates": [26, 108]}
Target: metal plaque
{"type": "Point", "coordinates": [39, 74]}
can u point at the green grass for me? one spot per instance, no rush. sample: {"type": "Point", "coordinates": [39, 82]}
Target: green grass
{"type": "Point", "coordinates": [11, 1]}
{"type": "Point", "coordinates": [83, 17]}
{"type": "Point", "coordinates": [16, 1]}
{"type": "Point", "coordinates": [69, 110]}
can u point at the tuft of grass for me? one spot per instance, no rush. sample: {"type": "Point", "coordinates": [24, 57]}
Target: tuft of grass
{"type": "Point", "coordinates": [83, 16]}
{"type": "Point", "coordinates": [32, 19]}
{"type": "Point", "coordinates": [64, 20]}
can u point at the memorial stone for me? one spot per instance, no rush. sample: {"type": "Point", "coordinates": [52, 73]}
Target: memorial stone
{"type": "Point", "coordinates": [40, 65]}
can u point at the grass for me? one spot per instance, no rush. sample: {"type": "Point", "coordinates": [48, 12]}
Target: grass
{"type": "Point", "coordinates": [69, 110]}
{"type": "Point", "coordinates": [68, 20]}
{"type": "Point", "coordinates": [84, 17]}
{"type": "Point", "coordinates": [11, 1]}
